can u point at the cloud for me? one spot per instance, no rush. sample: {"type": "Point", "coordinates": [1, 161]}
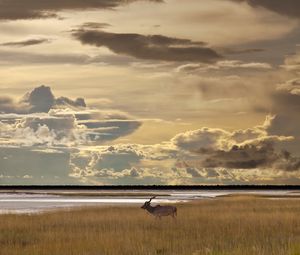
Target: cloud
{"type": "Point", "coordinates": [200, 156]}
{"type": "Point", "coordinates": [194, 172]}
{"type": "Point", "coordinates": [109, 129]}
{"type": "Point", "coordinates": [241, 149]}
{"type": "Point", "coordinates": [10, 57]}
{"type": "Point", "coordinates": [242, 51]}
{"type": "Point", "coordinates": [292, 63]}
{"type": "Point", "coordinates": [208, 138]}
{"type": "Point", "coordinates": [223, 65]}
{"type": "Point", "coordinates": [40, 118]}
{"type": "Point", "coordinates": [152, 47]}
{"type": "Point", "coordinates": [205, 155]}
{"type": "Point", "coordinates": [285, 104]}
{"type": "Point", "coordinates": [40, 99]}
{"type": "Point", "coordinates": [8, 105]}
{"type": "Point", "coordinates": [252, 158]}
{"type": "Point", "coordinates": [130, 163]}
{"type": "Point", "coordinates": [94, 25]}
{"type": "Point", "coordinates": [226, 85]}
{"type": "Point", "coordinates": [210, 154]}
{"type": "Point", "coordinates": [225, 93]}
{"type": "Point", "coordinates": [27, 42]}
{"type": "Point", "coordinates": [62, 130]}
{"type": "Point", "coordinates": [78, 102]}
{"type": "Point", "coordinates": [47, 167]}
{"type": "Point", "coordinates": [107, 160]}
{"type": "Point", "coordinates": [289, 88]}
{"type": "Point", "coordinates": [261, 155]}
{"type": "Point", "coordinates": [35, 9]}
{"type": "Point", "coordinates": [288, 7]}
{"type": "Point", "coordinates": [38, 130]}
{"type": "Point", "coordinates": [214, 139]}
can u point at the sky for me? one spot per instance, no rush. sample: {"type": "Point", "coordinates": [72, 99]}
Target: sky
{"type": "Point", "coordinates": [150, 92]}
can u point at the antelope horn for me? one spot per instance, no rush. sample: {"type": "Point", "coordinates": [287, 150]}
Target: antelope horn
{"type": "Point", "coordinates": [152, 198]}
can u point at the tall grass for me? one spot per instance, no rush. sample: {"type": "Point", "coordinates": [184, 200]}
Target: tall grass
{"type": "Point", "coordinates": [235, 226]}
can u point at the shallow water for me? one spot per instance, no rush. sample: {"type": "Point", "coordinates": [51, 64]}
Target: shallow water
{"type": "Point", "coordinates": [42, 201]}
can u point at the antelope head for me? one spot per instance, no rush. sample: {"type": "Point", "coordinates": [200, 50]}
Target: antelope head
{"type": "Point", "coordinates": [147, 203]}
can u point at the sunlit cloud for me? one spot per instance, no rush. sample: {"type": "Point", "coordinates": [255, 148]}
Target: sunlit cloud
{"type": "Point", "coordinates": [149, 92]}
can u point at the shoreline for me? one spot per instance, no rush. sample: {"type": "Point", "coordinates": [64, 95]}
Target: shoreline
{"type": "Point", "coordinates": [36, 203]}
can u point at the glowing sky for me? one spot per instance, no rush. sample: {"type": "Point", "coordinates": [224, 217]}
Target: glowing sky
{"type": "Point", "coordinates": [150, 92]}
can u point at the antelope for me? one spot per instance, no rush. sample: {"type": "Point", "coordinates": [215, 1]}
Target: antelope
{"type": "Point", "coordinates": [160, 210]}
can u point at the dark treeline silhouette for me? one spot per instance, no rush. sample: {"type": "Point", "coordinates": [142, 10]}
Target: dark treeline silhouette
{"type": "Point", "coordinates": [150, 187]}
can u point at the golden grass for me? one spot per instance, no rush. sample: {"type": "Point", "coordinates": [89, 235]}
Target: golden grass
{"type": "Point", "coordinates": [227, 226]}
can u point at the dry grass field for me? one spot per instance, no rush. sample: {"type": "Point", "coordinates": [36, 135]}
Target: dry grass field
{"type": "Point", "coordinates": [231, 226]}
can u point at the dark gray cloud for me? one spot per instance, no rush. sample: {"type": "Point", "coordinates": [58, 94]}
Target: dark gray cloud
{"type": "Point", "coordinates": [262, 155]}
{"type": "Point", "coordinates": [28, 42]}
{"type": "Point", "coordinates": [242, 149]}
{"type": "Point", "coordinates": [78, 102]}
{"type": "Point", "coordinates": [241, 51]}
{"type": "Point", "coordinates": [34, 9]}
{"type": "Point", "coordinates": [94, 25]}
{"type": "Point", "coordinates": [152, 47]}
{"type": "Point", "coordinates": [286, 107]}
{"type": "Point", "coordinates": [286, 7]}
{"type": "Point", "coordinates": [40, 99]}
{"type": "Point", "coordinates": [107, 130]}
{"type": "Point", "coordinates": [63, 123]}
{"type": "Point", "coordinates": [134, 172]}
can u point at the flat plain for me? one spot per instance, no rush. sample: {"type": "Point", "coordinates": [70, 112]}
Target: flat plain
{"type": "Point", "coordinates": [237, 225]}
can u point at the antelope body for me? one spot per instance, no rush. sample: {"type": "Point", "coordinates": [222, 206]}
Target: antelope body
{"type": "Point", "coordinates": [160, 210]}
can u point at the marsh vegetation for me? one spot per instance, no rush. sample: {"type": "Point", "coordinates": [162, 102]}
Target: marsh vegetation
{"type": "Point", "coordinates": [223, 226]}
